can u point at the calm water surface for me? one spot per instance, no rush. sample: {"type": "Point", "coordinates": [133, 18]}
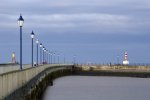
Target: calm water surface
{"type": "Point", "coordinates": [99, 88]}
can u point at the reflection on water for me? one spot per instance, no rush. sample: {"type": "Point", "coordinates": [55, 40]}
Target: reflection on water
{"type": "Point", "coordinates": [98, 88]}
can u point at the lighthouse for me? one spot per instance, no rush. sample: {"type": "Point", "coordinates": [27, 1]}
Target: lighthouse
{"type": "Point", "coordinates": [13, 57]}
{"type": "Point", "coordinates": [126, 61]}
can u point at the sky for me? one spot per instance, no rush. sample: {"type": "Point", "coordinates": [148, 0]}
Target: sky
{"type": "Point", "coordinates": [89, 31]}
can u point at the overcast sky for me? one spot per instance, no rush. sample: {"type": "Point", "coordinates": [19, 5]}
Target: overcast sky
{"type": "Point", "coordinates": [95, 31]}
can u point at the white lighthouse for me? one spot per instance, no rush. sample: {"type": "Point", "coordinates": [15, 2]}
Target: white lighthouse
{"type": "Point", "coordinates": [126, 61]}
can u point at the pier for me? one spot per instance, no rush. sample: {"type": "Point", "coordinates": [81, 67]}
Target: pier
{"type": "Point", "coordinates": [29, 83]}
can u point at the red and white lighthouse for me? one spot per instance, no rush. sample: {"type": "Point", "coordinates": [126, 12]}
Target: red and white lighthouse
{"type": "Point", "coordinates": [126, 61]}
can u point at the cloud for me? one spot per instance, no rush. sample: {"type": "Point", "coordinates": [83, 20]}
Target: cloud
{"type": "Point", "coordinates": [83, 16]}
{"type": "Point", "coordinates": [70, 20]}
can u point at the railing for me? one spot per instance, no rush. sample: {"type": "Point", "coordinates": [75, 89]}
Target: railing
{"type": "Point", "coordinates": [4, 68]}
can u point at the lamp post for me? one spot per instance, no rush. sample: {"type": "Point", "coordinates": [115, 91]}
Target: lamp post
{"type": "Point", "coordinates": [117, 60]}
{"type": "Point", "coordinates": [49, 57]}
{"type": "Point", "coordinates": [37, 42]}
{"type": "Point", "coordinates": [58, 57]}
{"type": "Point", "coordinates": [20, 23]}
{"type": "Point", "coordinates": [54, 57]}
{"type": "Point", "coordinates": [45, 55]}
{"type": "Point", "coordinates": [64, 59]}
{"type": "Point", "coordinates": [74, 59]}
{"type": "Point", "coordinates": [41, 53]}
{"type": "Point", "coordinates": [32, 37]}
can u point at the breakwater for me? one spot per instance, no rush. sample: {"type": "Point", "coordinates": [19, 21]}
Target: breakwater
{"type": "Point", "coordinates": [128, 71]}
